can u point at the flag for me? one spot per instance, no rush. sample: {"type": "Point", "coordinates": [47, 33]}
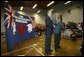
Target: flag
{"type": "Point", "coordinates": [8, 15]}
{"type": "Point", "coordinates": [18, 27]}
{"type": "Point", "coordinates": [23, 27]}
{"type": "Point", "coordinates": [8, 25]}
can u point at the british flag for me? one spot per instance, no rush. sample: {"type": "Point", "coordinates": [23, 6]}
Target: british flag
{"type": "Point", "coordinates": [8, 15]}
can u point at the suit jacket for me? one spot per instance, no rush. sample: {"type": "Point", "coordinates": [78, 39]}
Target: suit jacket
{"type": "Point", "coordinates": [58, 26]}
{"type": "Point", "coordinates": [49, 26]}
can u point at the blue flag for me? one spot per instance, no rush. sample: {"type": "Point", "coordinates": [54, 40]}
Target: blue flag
{"type": "Point", "coordinates": [23, 27]}
{"type": "Point", "coordinates": [18, 27]}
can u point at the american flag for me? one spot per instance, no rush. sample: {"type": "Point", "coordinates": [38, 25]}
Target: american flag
{"type": "Point", "coordinates": [8, 15]}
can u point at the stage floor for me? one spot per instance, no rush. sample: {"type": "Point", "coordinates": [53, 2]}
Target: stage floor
{"type": "Point", "coordinates": [36, 47]}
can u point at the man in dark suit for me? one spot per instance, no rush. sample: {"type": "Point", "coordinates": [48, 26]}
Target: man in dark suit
{"type": "Point", "coordinates": [48, 32]}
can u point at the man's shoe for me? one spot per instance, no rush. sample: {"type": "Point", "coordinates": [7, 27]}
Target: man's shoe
{"type": "Point", "coordinates": [47, 52]}
{"type": "Point", "coordinates": [50, 50]}
{"type": "Point", "coordinates": [59, 47]}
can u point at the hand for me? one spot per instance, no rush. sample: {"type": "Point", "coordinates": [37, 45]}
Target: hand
{"type": "Point", "coordinates": [54, 26]}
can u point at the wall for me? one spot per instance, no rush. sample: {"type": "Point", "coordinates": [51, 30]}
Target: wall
{"type": "Point", "coordinates": [2, 20]}
{"type": "Point", "coordinates": [76, 14]}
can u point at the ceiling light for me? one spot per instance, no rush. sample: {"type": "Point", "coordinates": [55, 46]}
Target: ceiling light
{"type": "Point", "coordinates": [67, 2]}
{"type": "Point", "coordinates": [21, 8]}
{"type": "Point", "coordinates": [38, 11]}
{"type": "Point", "coordinates": [34, 6]}
{"type": "Point", "coordinates": [50, 3]}
{"type": "Point", "coordinates": [6, 1]}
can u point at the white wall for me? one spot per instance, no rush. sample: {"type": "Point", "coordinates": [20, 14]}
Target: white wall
{"type": "Point", "coordinates": [39, 18]}
{"type": "Point", "coordinates": [76, 14]}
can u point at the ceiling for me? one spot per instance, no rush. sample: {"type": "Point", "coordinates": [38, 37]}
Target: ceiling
{"type": "Point", "coordinates": [41, 4]}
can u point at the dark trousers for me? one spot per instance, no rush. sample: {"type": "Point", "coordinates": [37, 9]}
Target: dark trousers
{"type": "Point", "coordinates": [57, 37]}
{"type": "Point", "coordinates": [48, 42]}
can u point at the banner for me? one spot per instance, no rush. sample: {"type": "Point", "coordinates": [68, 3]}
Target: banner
{"type": "Point", "coordinates": [18, 27]}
